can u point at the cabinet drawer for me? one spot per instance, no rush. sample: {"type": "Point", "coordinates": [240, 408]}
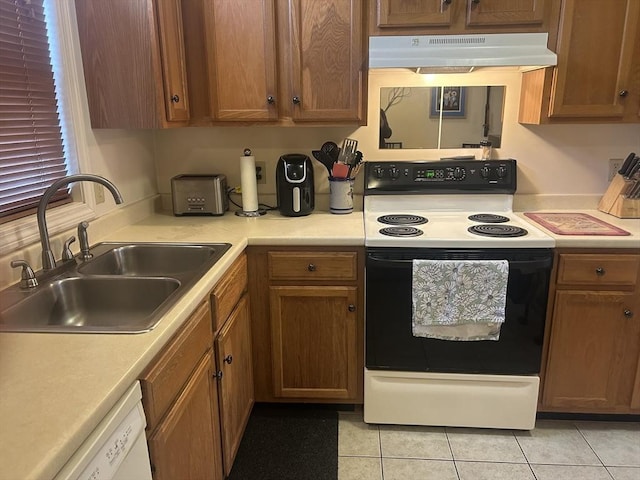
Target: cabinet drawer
{"type": "Point", "coordinates": [162, 383]}
{"type": "Point", "coordinates": [228, 291]}
{"type": "Point", "coordinates": [313, 266]}
{"type": "Point", "coordinates": [587, 269]}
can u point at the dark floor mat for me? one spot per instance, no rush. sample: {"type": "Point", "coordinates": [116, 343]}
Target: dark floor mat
{"type": "Point", "coordinates": [288, 442]}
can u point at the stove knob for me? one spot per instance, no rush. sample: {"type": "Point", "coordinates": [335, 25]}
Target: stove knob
{"type": "Point", "coordinates": [484, 172]}
{"type": "Point", "coordinates": [378, 172]}
{"type": "Point", "coordinates": [394, 172]}
{"type": "Point", "coordinates": [502, 171]}
{"type": "Point", "coordinates": [458, 173]}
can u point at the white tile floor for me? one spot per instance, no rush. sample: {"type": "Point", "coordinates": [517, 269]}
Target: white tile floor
{"type": "Point", "coordinates": [554, 450]}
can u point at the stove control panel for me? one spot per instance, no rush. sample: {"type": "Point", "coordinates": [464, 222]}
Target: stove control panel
{"type": "Point", "coordinates": [490, 176]}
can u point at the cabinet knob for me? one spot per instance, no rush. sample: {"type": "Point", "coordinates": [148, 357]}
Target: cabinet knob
{"type": "Point", "coordinates": [175, 98]}
{"type": "Point", "coordinates": [627, 313]}
{"type": "Point", "coordinates": [271, 100]}
{"type": "Point", "coordinates": [311, 267]}
{"type": "Point", "coordinates": [623, 93]}
{"type": "Point", "coordinates": [475, 1]}
{"type": "Point", "coordinates": [228, 359]}
{"type": "Point", "coordinates": [352, 307]}
{"type": "Point", "coordinates": [600, 271]}
{"type": "Point", "coordinates": [446, 2]}
{"type": "Point", "coordinates": [296, 100]}
{"type": "Point", "coordinates": [217, 374]}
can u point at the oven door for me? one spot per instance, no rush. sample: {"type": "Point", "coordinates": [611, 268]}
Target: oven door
{"type": "Point", "coordinates": [390, 344]}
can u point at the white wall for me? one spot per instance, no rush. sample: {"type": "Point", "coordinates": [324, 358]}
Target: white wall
{"type": "Point", "coordinates": [553, 159]}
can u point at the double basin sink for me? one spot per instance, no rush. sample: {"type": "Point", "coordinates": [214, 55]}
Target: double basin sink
{"type": "Point", "coordinates": [124, 288]}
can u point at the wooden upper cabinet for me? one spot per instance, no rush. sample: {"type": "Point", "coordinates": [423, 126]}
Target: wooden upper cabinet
{"type": "Point", "coordinates": [505, 12]}
{"type": "Point", "coordinates": [133, 61]}
{"type": "Point", "coordinates": [174, 70]}
{"type": "Point", "coordinates": [425, 17]}
{"type": "Point", "coordinates": [325, 60]}
{"type": "Point", "coordinates": [279, 61]}
{"type": "Point", "coordinates": [393, 13]}
{"type": "Point", "coordinates": [597, 78]}
{"type": "Point", "coordinates": [241, 59]}
{"type": "Point", "coordinates": [595, 50]}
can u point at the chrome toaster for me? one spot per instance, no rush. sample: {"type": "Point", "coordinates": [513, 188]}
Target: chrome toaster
{"type": "Point", "coordinates": [199, 194]}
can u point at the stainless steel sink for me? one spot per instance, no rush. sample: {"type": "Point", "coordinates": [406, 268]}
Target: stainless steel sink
{"type": "Point", "coordinates": [91, 304]}
{"type": "Point", "coordinates": [150, 260]}
{"type": "Point", "coordinates": [125, 288]}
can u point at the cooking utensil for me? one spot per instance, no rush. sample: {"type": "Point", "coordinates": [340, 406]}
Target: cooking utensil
{"type": "Point", "coordinates": [331, 149]}
{"type": "Point", "coordinates": [324, 159]}
{"type": "Point", "coordinates": [355, 164]}
{"type": "Point", "coordinates": [340, 170]}
{"type": "Point", "coordinates": [625, 168]}
{"type": "Point", "coordinates": [349, 147]}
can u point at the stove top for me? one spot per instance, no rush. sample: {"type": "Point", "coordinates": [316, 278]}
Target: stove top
{"type": "Point", "coordinates": [465, 204]}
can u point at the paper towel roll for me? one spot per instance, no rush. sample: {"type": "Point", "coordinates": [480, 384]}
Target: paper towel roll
{"type": "Point", "coordinates": [248, 183]}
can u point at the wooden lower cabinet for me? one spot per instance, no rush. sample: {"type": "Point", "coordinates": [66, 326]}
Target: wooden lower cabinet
{"type": "Point", "coordinates": [198, 392]}
{"type": "Point", "coordinates": [313, 341]}
{"type": "Point", "coordinates": [184, 445]}
{"type": "Point", "coordinates": [594, 347]}
{"type": "Point", "coordinates": [235, 367]}
{"type": "Point", "coordinates": [307, 323]}
{"type": "Point", "coordinates": [180, 400]}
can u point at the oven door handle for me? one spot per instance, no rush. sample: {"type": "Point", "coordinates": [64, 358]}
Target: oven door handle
{"type": "Point", "coordinates": [526, 264]}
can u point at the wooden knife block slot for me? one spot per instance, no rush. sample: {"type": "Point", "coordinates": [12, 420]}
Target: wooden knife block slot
{"type": "Point", "coordinates": [615, 203]}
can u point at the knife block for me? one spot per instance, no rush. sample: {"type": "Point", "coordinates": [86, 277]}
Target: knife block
{"type": "Point", "coordinates": [615, 203]}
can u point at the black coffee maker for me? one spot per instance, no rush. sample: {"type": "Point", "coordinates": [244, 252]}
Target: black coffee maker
{"type": "Point", "coordinates": [294, 185]}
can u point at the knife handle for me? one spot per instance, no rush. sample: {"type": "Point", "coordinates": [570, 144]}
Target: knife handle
{"type": "Point", "coordinates": [627, 164]}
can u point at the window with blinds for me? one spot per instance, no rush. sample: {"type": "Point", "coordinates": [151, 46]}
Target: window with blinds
{"type": "Point", "coordinates": [31, 145]}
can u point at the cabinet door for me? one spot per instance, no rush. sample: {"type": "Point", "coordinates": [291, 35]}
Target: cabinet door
{"type": "Point", "coordinates": [233, 358]}
{"type": "Point", "coordinates": [325, 60]}
{"type": "Point", "coordinates": [595, 56]}
{"type": "Point", "coordinates": [505, 12]}
{"type": "Point", "coordinates": [314, 341]}
{"type": "Point", "coordinates": [593, 352]}
{"type": "Point", "coordinates": [183, 445]}
{"type": "Point", "coordinates": [409, 13]}
{"type": "Point", "coordinates": [241, 57]}
{"type": "Point", "coordinates": [176, 98]}
{"type": "Point", "coordinates": [127, 49]}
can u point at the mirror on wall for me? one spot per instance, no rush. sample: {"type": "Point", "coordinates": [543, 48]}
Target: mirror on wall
{"type": "Point", "coordinates": [441, 117]}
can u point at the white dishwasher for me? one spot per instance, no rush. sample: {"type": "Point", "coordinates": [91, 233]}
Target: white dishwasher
{"type": "Point", "coordinates": [117, 448]}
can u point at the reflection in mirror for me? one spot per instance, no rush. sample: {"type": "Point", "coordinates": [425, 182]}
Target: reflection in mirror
{"type": "Point", "coordinates": [441, 117]}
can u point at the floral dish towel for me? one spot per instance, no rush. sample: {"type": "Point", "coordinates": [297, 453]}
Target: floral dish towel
{"type": "Point", "coordinates": [460, 300]}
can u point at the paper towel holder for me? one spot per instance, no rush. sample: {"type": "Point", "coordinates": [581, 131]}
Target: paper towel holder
{"type": "Point", "coordinates": [249, 187]}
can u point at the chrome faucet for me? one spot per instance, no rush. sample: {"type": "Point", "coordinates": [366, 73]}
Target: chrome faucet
{"type": "Point", "coordinates": [48, 260]}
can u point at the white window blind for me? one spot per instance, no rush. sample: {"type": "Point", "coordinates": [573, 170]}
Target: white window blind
{"type": "Point", "coordinates": [31, 145]}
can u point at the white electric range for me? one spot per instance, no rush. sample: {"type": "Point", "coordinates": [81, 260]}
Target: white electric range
{"type": "Point", "coordinates": [450, 210]}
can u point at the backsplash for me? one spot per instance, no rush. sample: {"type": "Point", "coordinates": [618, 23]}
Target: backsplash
{"type": "Point", "coordinates": [552, 159]}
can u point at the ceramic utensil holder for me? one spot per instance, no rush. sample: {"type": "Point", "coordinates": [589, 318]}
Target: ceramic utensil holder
{"type": "Point", "coordinates": [340, 195]}
{"type": "Point", "coordinates": [615, 203]}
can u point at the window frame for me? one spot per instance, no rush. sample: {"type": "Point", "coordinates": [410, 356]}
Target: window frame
{"type": "Point", "coordinates": [72, 103]}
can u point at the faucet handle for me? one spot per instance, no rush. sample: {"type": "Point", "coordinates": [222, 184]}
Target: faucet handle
{"type": "Point", "coordinates": [67, 254]}
{"type": "Point", "coordinates": [27, 277]}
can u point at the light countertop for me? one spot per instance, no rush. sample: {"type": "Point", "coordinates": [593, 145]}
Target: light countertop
{"type": "Point", "coordinates": [55, 388]}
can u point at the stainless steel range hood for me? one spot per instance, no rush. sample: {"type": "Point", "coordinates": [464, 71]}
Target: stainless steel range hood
{"type": "Point", "coordinates": [455, 53]}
